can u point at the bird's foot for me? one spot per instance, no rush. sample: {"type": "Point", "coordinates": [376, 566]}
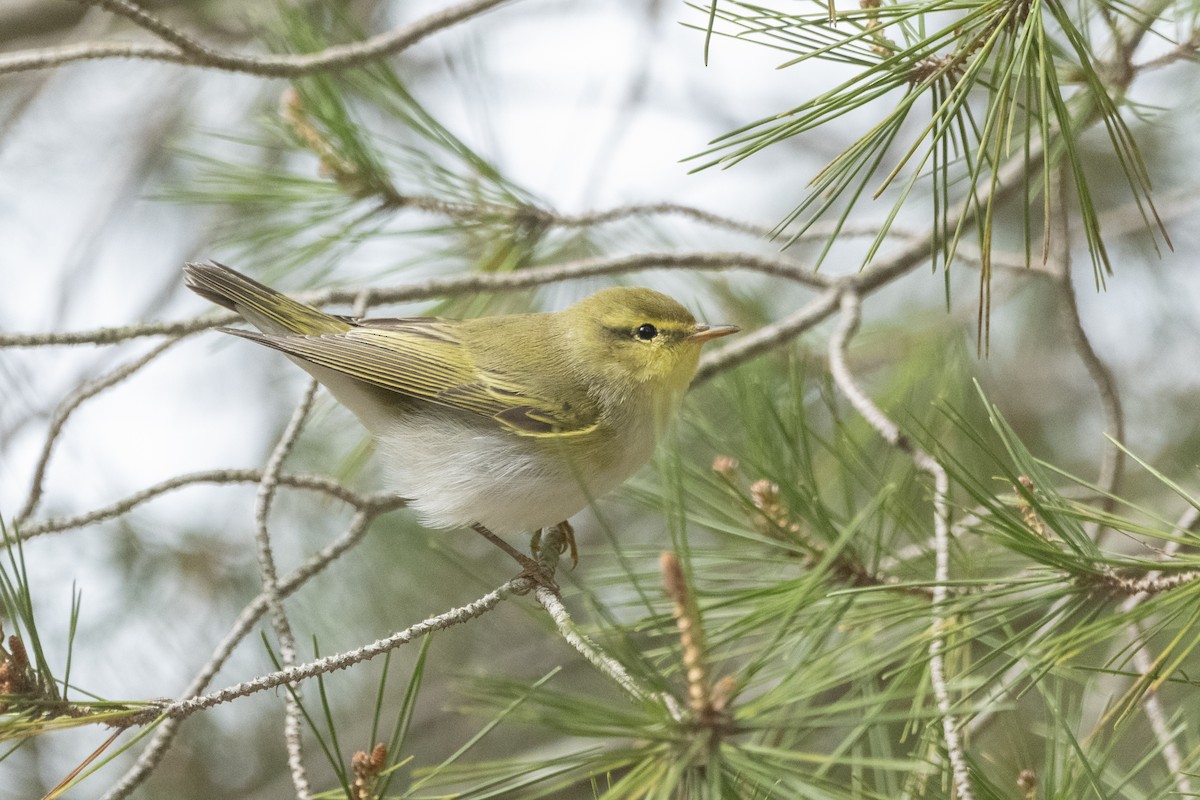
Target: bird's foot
{"type": "Point", "coordinates": [536, 572]}
{"type": "Point", "coordinates": [565, 542]}
{"type": "Point", "coordinates": [532, 569]}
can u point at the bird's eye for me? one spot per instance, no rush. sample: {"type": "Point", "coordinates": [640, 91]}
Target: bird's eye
{"type": "Point", "coordinates": [646, 332]}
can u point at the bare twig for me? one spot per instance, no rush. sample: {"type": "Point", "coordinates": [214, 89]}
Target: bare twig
{"type": "Point", "coordinates": [164, 735]}
{"type": "Point", "coordinates": [760, 341]}
{"type": "Point", "coordinates": [543, 217]}
{"type": "Point", "coordinates": [548, 553]}
{"type": "Point", "coordinates": [63, 413]}
{"type": "Point", "coordinates": [679, 210]}
{"type": "Point", "coordinates": [587, 648]}
{"type": "Point", "coordinates": [117, 335]}
{"type": "Point", "coordinates": [270, 580]}
{"type": "Point", "coordinates": [316, 483]}
{"type": "Point", "coordinates": [147, 21]}
{"type": "Point", "coordinates": [179, 48]}
{"type": "Point", "coordinates": [747, 346]}
{"type": "Point", "coordinates": [321, 666]}
{"type": "Point", "coordinates": [1147, 585]}
{"type": "Point", "coordinates": [1113, 461]}
{"type": "Point", "coordinates": [705, 261]}
{"type": "Point", "coordinates": [1144, 664]}
{"type": "Point", "coordinates": [777, 266]}
{"type": "Point", "coordinates": [1187, 50]}
{"type": "Point", "coordinates": [850, 304]}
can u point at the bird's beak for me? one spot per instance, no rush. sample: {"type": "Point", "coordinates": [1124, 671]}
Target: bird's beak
{"type": "Point", "coordinates": [702, 333]}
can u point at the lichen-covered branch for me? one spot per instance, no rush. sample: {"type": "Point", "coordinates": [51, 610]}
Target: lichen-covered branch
{"type": "Point", "coordinates": [850, 304]}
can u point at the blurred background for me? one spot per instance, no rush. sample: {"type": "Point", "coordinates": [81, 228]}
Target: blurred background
{"type": "Point", "coordinates": [115, 172]}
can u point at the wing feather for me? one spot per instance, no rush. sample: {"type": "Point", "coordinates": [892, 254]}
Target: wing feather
{"type": "Point", "coordinates": [424, 358]}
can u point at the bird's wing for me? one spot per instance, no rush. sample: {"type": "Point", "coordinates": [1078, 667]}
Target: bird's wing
{"type": "Point", "coordinates": [425, 359]}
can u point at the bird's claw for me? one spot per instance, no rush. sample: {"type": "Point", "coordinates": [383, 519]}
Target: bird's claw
{"type": "Point", "coordinates": [566, 542]}
{"type": "Point", "coordinates": [534, 572]}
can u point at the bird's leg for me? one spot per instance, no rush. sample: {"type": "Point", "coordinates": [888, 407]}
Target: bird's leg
{"type": "Point", "coordinates": [530, 568]}
{"type": "Point", "coordinates": [567, 543]}
{"type": "Point", "coordinates": [535, 543]}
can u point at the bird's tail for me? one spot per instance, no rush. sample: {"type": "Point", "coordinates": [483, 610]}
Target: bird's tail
{"type": "Point", "coordinates": [262, 306]}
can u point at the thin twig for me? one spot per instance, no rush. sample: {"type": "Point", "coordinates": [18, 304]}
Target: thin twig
{"type": "Point", "coordinates": [838, 345]}
{"type": "Point", "coordinates": [754, 343]}
{"type": "Point", "coordinates": [1147, 585]}
{"type": "Point", "coordinates": [321, 666]}
{"type": "Point", "coordinates": [677, 209]}
{"type": "Point", "coordinates": [705, 261]}
{"type": "Point", "coordinates": [63, 413]}
{"type": "Point", "coordinates": [1187, 50]}
{"type": "Point", "coordinates": [743, 349]}
{"type": "Point", "coordinates": [543, 217]}
{"type": "Point", "coordinates": [164, 735]}
{"type": "Point", "coordinates": [777, 266]}
{"type": "Point", "coordinates": [587, 648]}
{"type": "Point", "coordinates": [1151, 705]}
{"type": "Point", "coordinates": [1112, 464]}
{"type": "Point", "coordinates": [1144, 664]}
{"type": "Point", "coordinates": [124, 333]}
{"type": "Point", "coordinates": [180, 48]}
{"type": "Point", "coordinates": [270, 580]}
{"type": "Point", "coordinates": [147, 21]}
{"type": "Point", "coordinates": [316, 483]}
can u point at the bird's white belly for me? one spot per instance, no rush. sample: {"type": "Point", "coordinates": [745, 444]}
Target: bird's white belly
{"type": "Point", "coordinates": [456, 474]}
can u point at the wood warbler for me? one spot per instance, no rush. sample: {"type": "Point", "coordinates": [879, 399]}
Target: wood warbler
{"type": "Point", "coordinates": [504, 424]}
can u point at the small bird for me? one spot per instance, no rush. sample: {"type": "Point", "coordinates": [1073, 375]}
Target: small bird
{"type": "Point", "coordinates": [503, 424]}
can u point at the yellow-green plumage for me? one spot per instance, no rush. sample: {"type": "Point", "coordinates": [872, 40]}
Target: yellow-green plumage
{"type": "Point", "coordinates": [513, 422]}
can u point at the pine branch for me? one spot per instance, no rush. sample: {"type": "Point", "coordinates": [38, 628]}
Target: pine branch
{"type": "Point", "coordinates": [181, 48]}
{"type": "Point", "coordinates": [850, 305]}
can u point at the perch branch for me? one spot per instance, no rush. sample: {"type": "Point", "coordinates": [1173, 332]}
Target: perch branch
{"type": "Point", "coordinates": [587, 648]}
{"type": "Point", "coordinates": [321, 666]}
{"type": "Point", "coordinates": [164, 735]}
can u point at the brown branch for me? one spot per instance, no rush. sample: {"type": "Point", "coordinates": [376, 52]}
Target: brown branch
{"type": "Point", "coordinates": [64, 412]}
{"type": "Point", "coordinates": [316, 483]}
{"type": "Point", "coordinates": [851, 313]}
{"type": "Point", "coordinates": [185, 708]}
{"type": "Point", "coordinates": [776, 266]}
{"type": "Point", "coordinates": [1149, 584]}
{"type": "Point", "coordinates": [179, 48]}
{"type": "Point", "coordinates": [270, 582]}
{"type": "Point", "coordinates": [165, 734]}
{"type": "Point", "coordinates": [1113, 463]}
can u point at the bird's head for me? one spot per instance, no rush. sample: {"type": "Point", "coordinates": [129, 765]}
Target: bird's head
{"type": "Point", "coordinates": [638, 339]}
